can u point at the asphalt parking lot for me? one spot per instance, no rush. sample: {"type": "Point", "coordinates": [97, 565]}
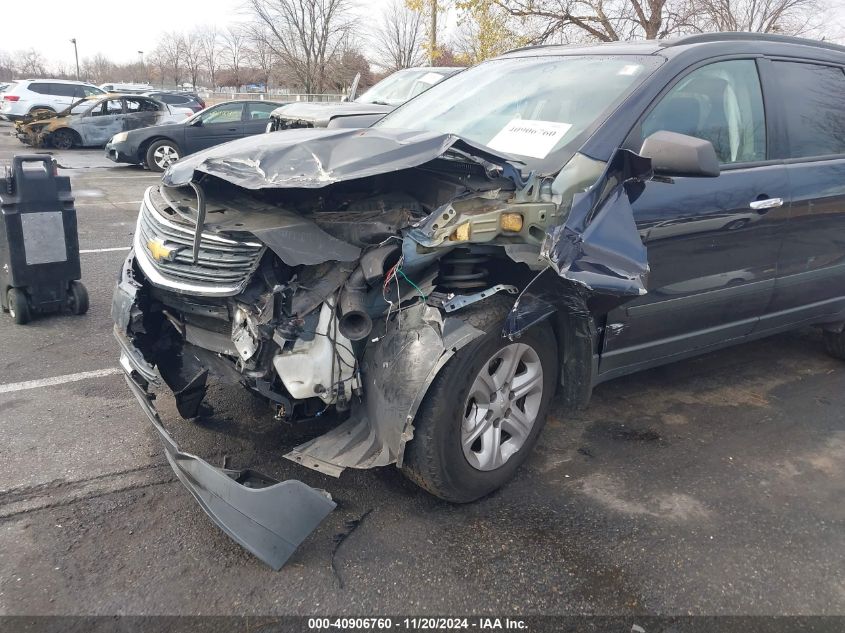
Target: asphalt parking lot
{"type": "Point", "coordinates": [711, 486]}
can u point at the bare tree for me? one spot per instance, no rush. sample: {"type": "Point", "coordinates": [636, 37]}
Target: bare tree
{"type": "Point", "coordinates": [30, 63]}
{"type": "Point", "coordinates": [400, 36]}
{"type": "Point", "coordinates": [8, 68]}
{"type": "Point", "coordinates": [234, 52]}
{"type": "Point", "coordinates": [210, 44]}
{"type": "Point", "coordinates": [170, 49]}
{"type": "Point", "coordinates": [260, 54]}
{"type": "Point", "coordinates": [158, 62]}
{"type": "Point", "coordinates": [793, 17]}
{"type": "Point", "coordinates": [192, 55]}
{"type": "Point", "coordinates": [603, 20]}
{"type": "Point", "coordinates": [307, 34]}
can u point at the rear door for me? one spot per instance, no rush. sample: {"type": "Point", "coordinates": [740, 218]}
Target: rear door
{"type": "Point", "coordinates": [217, 125]}
{"type": "Point", "coordinates": [141, 112]}
{"type": "Point", "coordinates": [712, 243]}
{"type": "Point", "coordinates": [811, 280]}
{"type": "Point", "coordinates": [257, 117]}
{"type": "Point", "coordinates": [63, 94]}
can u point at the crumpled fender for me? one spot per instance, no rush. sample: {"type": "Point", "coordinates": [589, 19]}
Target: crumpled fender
{"type": "Point", "coordinates": [397, 371]}
{"type": "Point", "coordinates": [599, 247]}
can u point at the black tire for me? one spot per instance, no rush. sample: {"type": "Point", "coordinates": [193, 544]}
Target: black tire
{"type": "Point", "coordinates": [153, 162]}
{"type": "Point", "coordinates": [64, 139]}
{"type": "Point", "coordinates": [834, 343]}
{"type": "Point", "coordinates": [77, 298]}
{"type": "Point", "coordinates": [19, 306]}
{"type": "Point", "coordinates": [434, 459]}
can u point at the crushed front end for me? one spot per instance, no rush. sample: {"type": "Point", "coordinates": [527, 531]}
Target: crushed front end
{"type": "Point", "coordinates": [325, 271]}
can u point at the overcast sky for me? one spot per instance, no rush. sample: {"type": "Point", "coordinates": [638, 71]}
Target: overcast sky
{"type": "Point", "coordinates": [119, 30]}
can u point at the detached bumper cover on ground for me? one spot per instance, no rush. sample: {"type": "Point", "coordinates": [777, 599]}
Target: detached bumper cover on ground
{"type": "Point", "coordinates": [267, 517]}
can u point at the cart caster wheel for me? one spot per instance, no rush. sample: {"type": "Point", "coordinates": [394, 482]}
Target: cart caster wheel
{"type": "Point", "coordinates": [19, 306]}
{"type": "Point", "coordinates": [77, 298]}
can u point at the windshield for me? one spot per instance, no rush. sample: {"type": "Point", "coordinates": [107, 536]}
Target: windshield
{"type": "Point", "coordinates": [530, 107]}
{"type": "Point", "coordinates": [401, 86]}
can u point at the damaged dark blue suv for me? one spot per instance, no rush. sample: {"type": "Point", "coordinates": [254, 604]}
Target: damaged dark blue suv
{"type": "Point", "coordinates": [540, 223]}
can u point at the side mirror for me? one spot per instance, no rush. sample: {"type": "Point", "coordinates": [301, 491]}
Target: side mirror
{"type": "Point", "coordinates": [674, 154]}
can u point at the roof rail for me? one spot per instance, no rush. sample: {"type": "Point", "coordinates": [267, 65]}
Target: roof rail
{"type": "Point", "coordinates": [702, 38]}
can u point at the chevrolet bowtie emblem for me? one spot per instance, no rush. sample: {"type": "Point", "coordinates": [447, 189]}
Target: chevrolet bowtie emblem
{"type": "Point", "coordinates": [161, 252]}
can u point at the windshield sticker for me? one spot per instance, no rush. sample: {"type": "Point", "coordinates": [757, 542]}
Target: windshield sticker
{"type": "Point", "coordinates": [529, 138]}
{"type": "Point", "coordinates": [630, 69]}
{"type": "Point", "coordinates": [430, 78]}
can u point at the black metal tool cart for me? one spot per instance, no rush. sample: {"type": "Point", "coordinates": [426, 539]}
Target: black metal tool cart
{"type": "Point", "coordinates": [39, 244]}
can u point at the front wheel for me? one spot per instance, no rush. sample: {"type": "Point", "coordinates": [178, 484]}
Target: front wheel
{"type": "Point", "coordinates": [162, 154]}
{"type": "Point", "coordinates": [63, 139]}
{"type": "Point", "coordinates": [483, 413]}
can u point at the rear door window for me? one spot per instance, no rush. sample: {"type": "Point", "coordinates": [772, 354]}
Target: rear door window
{"type": "Point", "coordinates": [260, 110]}
{"type": "Point", "coordinates": [721, 103]}
{"type": "Point", "coordinates": [141, 105]}
{"type": "Point", "coordinates": [815, 109]}
{"type": "Point", "coordinates": [63, 90]}
{"type": "Point", "coordinates": [173, 99]}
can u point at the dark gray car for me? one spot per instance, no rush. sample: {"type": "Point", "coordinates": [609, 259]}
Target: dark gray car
{"type": "Point", "coordinates": [160, 146]}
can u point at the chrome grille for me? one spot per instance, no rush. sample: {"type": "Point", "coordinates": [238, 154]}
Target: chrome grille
{"type": "Point", "coordinates": [223, 265]}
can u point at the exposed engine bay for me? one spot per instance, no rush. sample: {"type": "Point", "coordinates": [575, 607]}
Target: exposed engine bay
{"type": "Point", "coordinates": [327, 271]}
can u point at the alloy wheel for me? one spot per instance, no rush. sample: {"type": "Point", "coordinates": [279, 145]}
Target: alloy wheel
{"type": "Point", "coordinates": [164, 156]}
{"type": "Point", "coordinates": [502, 406]}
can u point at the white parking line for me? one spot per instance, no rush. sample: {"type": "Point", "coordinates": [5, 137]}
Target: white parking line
{"type": "Point", "coordinates": [58, 380]}
{"type": "Point", "coordinates": [81, 176]}
{"type": "Point", "coordinates": [104, 203]}
{"type": "Point", "coordinates": [104, 250]}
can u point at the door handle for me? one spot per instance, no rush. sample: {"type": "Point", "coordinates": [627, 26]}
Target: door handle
{"type": "Point", "coordinates": [233, 129]}
{"type": "Point", "coordinates": [766, 204]}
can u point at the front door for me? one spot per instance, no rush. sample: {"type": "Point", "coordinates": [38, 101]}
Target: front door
{"type": "Point", "coordinates": [102, 122]}
{"type": "Point", "coordinates": [214, 126]}
{"type": "Point", "coordinates": [712, 243]}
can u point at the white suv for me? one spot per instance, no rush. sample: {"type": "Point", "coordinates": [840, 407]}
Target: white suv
{"type": "Point", "coordinates": [24, 96]}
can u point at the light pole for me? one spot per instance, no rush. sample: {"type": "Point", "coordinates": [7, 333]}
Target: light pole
{"type": "Point", "coordinates": [76, 55]}
{"type": "Point", "coordinates": [143, 69]}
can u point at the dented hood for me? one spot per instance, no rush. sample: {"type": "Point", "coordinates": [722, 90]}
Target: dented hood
{"type": "Point", "coordinates": [314, 158]}
{"type": "Point", "coordinates": [319, 114]}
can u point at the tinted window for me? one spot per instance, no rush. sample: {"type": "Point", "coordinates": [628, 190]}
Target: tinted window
{"type": "Point", "coordinates": [815, 108]}
{"type": "Point", "coordinates": [173, 99]}
{"type": "Point", "coordinates": [721, 103]}
{"type": "Point", "coordinates": [63, 90]}
{"type": "Point", "coordinates": [261, 110]}
{"type": "Point", "coordinates": [40, 88]}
